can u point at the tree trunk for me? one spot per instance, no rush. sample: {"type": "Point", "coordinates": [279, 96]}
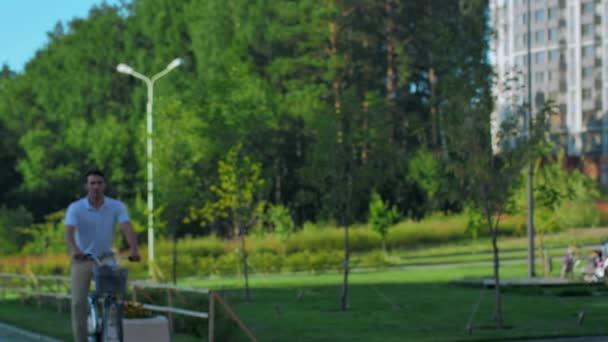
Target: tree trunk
{"type": "Point", "coordinates": [336, 84]}
{"type": "Point", "coordinates": [174, 256]}
{"type": "Point", "coordinates": [344, 298]}
{"type": "Point", "coordinates": [498, 312]}
{"type": "Point", "coordinates": [433, 103]}
{"type": "Point", "coordinates": [365, 108]}
{"type": "Point", "coordinates": [543, 255]}
{"type": "Point", "coordinates": [494, 231]}
{"type": "Point", "coordinates": [390, 67]}
{"type": "Point", "coordinates": [365, 128]}
{"type": "Point", "coordinates": [277, 181]}
{"type": "Point", "coordinates": [245, 268]}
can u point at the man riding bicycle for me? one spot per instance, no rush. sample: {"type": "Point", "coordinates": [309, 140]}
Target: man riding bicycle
{"type": "Point", "coordinates": [90, 224]}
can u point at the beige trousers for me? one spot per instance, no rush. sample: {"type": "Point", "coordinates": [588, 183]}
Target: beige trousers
{"type": "Point", "coordinates": [82, 272]}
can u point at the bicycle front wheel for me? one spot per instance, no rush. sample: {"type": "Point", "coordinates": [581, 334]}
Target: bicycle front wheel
{"type": "Point", "coordinates": [112, 322]}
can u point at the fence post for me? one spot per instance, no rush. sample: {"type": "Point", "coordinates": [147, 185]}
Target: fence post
{"type": "Point", "coordinates": [236, 318]}
{"type": "Point", "coordinates": [170, 304]}
{"type": "Point", "coordinates": [37, 289]}
{"type": "Point", "coordinates": [59, 299]}
{"type": "Point", "coordinates": [134, 294]}
{"type": "Point", "coordinates": [211, 314]}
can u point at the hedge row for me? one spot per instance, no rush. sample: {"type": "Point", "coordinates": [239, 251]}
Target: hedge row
{"type": "Point", "coordinates": [406, 234]}
{"type": "Point", "coordinates": [225, 264]}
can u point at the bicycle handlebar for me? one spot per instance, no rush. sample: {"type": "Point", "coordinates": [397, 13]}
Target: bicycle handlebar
{"type": "Point", "coordinates": [90, 256]}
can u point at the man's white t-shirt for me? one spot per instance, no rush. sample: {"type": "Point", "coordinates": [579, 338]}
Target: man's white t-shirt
{"type": "Point", "coordinates": [95, 226]}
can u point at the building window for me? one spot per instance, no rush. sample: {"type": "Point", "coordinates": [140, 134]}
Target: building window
{"type": "Point", "coordinates": [587, 7]}
{"type": "Point", "coordinates": [587, 72]}
{"type": "Point", "coordinates": [539, 16]}
{"type": "Point", "coordinates": [539, 77]}
{"type": "Point", "coordinates": [539, 36]}
{"type": "Point", "coordinates": [549, 76]}
{"type": "Point", "coordinates": [539, 57]}
{"type": "Point", "coordinates": [587, 30]}
{"type": "Point", "coordinates": [588, 51]}
{"type": "Point", "coordinates": [553, 55]}
{"type": "Point", "coordinates": [552, 34]}
{"type": "Point", "coordinates": [586, 94]}
{"type": "Point", "coordinates": [551, 13]}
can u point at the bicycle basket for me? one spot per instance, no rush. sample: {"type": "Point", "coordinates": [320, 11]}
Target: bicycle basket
{"type": "Point", "coordinates": [110, 279]}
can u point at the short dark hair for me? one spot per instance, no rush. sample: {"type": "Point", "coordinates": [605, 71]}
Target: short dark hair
{"type": "Point", "coordinates": [93, 172]}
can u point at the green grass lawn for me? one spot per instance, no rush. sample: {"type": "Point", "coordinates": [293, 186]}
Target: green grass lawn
{"type": "Point", "coordinates": [30, 317]}
{"type": "Point", "coordinates": [415, 312]}
{"type": "Point", "coordinates": [405, 305]}
{"type": "Point", "coordinates": [397, 276]}
{"type": "Point", "coordinates": [410, 304]}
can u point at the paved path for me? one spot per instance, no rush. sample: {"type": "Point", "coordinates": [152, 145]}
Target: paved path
{"type": "Point", "coordinates": [10, 333]}
{"type": "Point", "coordinates": [568, 339]}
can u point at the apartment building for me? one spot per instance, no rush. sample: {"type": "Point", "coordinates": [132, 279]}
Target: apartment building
{"type": "Point", "coordinates": [568, 63]}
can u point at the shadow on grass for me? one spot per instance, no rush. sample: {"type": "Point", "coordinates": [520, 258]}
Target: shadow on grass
{"type": "Point", "coordinates": [385, 312]}
{"type": "Point", "coordinates": [46, 320]}
{"type": "Point", "coordinates": [418, 312]}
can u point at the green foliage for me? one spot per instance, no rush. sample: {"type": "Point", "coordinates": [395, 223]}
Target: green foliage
{"type": "Point", "coordinates": [476, 222]}
{"type": "Point", "coordinates": [424, 169]}
{"type": "Point", "coordinates": [46, 238]}
{"type": "Point", "coordinates": [282, 99]}
{"type": "Point", "coordinates": [237, 194]}
{"type": "Point", "coordinates": [381, 217]}
{"type": "Point", "coordinates": [576, 215]}
{"type": "Point", "coordinates": [265, 262]}
{"type": "Point", "coordinates": [12, 221]}
{"type": "Point", "coordinates": [196, 247]}
{"type": "Point", "coordinates": [563, 198]}
{"type": "Point", "coordinates": [375, 258]}
{"type": "Point", "coordinates": [279, 217]}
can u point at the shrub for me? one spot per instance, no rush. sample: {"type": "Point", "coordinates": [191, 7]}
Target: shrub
{"type": "Point", "coordinates": [326, 260]}
{"type": "Point", "coordinates": [375, 258]}
{"type": "Point", "coordinates": [438, 228]}
{"type": "Point", "coordinates": [297, 262]}
{"type": "Point", "coordinates": [381, 217]}
{"type": "Point", "coordinates": [279, 218]}
{"type": "Point", "coordinates": [11, 221]}
{"type": "Point", "coordinates": [360, 237]}
{"type": "Point", "coordinates": [227, 264]}
{"type": "Point", "coordinates": [577, 215]}
{"type": "Point", "coordinates": [196, 247]}
{"type": "Point", "coordinates": [264, 262]}
{"type": "Point", "coordinates": [185, 265]}
{"type": "Point", "coordinates": [205, 266]}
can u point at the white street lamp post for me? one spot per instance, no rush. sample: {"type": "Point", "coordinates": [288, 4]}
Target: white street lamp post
{"type": "Point", "coordinates": [125, 69]}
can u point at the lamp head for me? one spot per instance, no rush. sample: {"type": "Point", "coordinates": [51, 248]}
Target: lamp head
{"type": "Point", "coordinates": [125, 69]}
{"type": "Point", "coordinates": [175, 63]}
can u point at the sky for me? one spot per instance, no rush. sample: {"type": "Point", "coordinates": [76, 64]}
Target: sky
{"type": "Point", "coordinates": [24, 25]}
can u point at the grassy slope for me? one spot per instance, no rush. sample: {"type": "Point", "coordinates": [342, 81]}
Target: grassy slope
{"type": "Point", "coordinates": [415, 304]}
{"type": "Point", "coordinates": [414, 312]}
{"type": "Point", "coordinates": [411, 305]}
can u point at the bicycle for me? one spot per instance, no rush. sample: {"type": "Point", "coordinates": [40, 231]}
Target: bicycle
{"type": "Point", "coordinates": [104, 321]}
